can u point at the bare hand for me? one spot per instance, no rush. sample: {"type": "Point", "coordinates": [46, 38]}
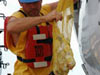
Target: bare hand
{"type": "Point", "coordinates": [54, 15]}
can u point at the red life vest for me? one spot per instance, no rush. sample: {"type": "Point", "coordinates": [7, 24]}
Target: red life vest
{"type": "Point", "coordinates": [39, 46]}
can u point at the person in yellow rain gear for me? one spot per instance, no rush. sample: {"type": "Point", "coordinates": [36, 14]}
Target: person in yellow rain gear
{"type": "Point", "coordinates": [29, 37]}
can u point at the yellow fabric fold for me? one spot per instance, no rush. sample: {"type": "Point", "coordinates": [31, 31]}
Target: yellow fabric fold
{"type": "Point", "coordinates": [62, 53]}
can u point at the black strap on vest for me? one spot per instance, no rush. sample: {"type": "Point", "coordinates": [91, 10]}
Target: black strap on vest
{"type": "Point", "coordinates": [38, 30]}
{"type": "Point", "coordinates": [52, 73]}
{"type": "Point", "coordinates": [49, 40]}
{"type": "Point", "coordinates": [48, 58]}
{"type": "Point", "coordinates": [23, 13]}
{"type": "Point", "coordinates": [33, 60]}
{"type": "Point", "coordinates": [25, 60]}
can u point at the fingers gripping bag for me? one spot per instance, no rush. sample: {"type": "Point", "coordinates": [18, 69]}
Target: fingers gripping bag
{"type": "Point", "coordinates": [62, 53]}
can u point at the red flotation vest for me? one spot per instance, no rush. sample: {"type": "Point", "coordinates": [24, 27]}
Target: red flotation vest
{"type": "Point", "coordinates": [39, 46]}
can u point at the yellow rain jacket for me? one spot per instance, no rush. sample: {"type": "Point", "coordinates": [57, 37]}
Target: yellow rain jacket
{"type": "Point", "coordinates": [21, 68]}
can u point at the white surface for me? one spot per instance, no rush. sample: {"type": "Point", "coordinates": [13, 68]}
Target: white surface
{"type": "Point", "coordinates": [89, 35]}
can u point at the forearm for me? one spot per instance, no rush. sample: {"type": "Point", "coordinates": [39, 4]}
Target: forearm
{"type": "Point", "coordinates": [22, 24]}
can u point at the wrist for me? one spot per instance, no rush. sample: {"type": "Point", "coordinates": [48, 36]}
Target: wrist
{"type": "Point", "coordinates": [43, 19]}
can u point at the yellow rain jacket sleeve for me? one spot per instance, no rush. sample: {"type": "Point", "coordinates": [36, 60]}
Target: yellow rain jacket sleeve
{"type": "Point", "coordinates": [63, 55]}
{"type": "Point", "coordinates": [21, 68]}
